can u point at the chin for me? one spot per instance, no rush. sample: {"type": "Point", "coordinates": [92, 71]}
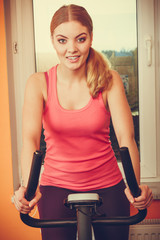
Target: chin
{"type": "Point", "coordinates": [75, 66]}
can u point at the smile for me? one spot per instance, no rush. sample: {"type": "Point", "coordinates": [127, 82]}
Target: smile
{"type": "Point", "coordinates": [73, 58]}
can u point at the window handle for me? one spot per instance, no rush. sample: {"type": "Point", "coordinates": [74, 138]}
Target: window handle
{"type": "Point", "coordinates": [15, 47]}
{"type": "Point", "coordinates": [148, 46]}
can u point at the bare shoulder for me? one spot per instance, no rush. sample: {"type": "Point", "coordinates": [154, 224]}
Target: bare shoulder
{"type": "Point", "coordinates": [36, 79]}
{"type": "Point", "coordinates": [37, 83]}
{"type": "Point", "coordinates": [117, 85]}
{"type": "Point", "coordinates": [117, 81]}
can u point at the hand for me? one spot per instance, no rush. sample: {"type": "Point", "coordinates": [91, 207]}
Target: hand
{"type": "Point", "coordinates": [144, 200]}
{"type": "Point", "coordinates": [21, 204]}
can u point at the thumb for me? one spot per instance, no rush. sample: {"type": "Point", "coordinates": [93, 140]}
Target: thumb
{"type": "Point", "coordinates": [35, 200]}
{"type": "Point", "coordinates": [129, 195]}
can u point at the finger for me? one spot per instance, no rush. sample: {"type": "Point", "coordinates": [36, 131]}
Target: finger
{"type": "Point", "coordinates": [23, 209]}
{"type": "Point", "coordinates": [145, 191]}
{"type": "Point", "coordinates": [144, 204]}
{"type": "Point", "coordinates": [35, 200]}
{"type": "Point", "coordinates": [144, 200]}
{"type": "Point", "coordinates": [22, 206]}
{"type": "Point", "coordinates": [146, 194]}
{"type": "Point", "coordinates": [15, 203]}
{"type": "Point", "coordinates": [20, 196]}
{"type": "Point", "coordinates": [22, 203]}
{"type": "Point", "coordinates": [129, 195]}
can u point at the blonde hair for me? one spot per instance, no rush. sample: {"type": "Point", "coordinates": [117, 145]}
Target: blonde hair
{"type": "Point", "coordinates": [99, 77]}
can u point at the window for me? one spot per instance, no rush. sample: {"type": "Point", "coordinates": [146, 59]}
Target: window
{"type": "Point", "coordinates": [19, 23]}
{"type": "Point", "coordinates": [148, 62]}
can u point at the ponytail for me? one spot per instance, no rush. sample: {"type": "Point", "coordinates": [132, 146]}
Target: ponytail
{"type": "Point", "coordinates": [99, 77]}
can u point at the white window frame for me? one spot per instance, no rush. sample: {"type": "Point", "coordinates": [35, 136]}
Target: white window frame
{"type": "Point", "coordinates": [22, 64]}
{"type": "Point", "coordinates": [148, 80]}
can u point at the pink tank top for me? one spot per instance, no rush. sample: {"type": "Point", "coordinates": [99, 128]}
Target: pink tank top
{"type": "Point", "coordinates": [79, 155]}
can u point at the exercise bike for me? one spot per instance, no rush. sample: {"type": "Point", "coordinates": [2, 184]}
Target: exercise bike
{"type": "Point", "coordinates": [86, 204]}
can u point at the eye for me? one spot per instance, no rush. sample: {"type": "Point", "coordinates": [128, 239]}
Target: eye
{"type": "Point", "coordinates": [62, 40]}
{"type": "Point", "coordinates": [81, 40]}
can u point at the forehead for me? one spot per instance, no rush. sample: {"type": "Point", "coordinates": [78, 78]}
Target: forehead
{"type": "Point", "coordinates": [72, 28]}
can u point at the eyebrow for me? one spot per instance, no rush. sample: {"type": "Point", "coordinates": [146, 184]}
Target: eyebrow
{"type": "Point", "coordinates": [59, 35]}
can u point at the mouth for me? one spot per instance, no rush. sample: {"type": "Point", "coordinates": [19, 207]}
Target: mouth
{"type": "Point", "coordinates": [73, 58]}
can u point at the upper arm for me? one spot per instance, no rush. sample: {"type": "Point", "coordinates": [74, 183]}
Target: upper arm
{"type": "Point", "coordinates": [33, 109]}
{"type": "Point", "coordinates": [120, 110]}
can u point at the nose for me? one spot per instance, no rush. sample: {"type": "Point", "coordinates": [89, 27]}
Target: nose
{"type": "Point", "coordinates": [72, 47]}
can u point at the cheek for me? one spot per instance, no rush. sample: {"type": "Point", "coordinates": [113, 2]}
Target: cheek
{"type": "Point", "coordinates": [85, 50]}
{"type": "Point", "coordinates": [60, 50]}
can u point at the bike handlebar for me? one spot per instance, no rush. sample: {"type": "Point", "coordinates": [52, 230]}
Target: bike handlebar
{"type": "Point", "coordinates": [129, 172]}
{"type": "Point", "coordinates": [34, 175]}
{"type": "Point", "coordinates": [40, 223]}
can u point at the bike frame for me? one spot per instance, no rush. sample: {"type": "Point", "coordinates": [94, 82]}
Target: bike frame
{"type": "Point", "coordinates": [84, 220]}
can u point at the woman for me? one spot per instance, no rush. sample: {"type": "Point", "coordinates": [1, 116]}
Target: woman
{"type": "Point", "coordinates": [74, 100]}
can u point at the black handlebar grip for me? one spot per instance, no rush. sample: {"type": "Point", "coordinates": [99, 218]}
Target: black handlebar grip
{"type": "Point", "coordinates": [129, 172]}
{"type": "Point", "coordinates": [34, 175]}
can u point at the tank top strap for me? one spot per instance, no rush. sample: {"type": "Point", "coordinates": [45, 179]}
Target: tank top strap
{"type": "Point", "coordinates": [47, 80]}
{"type": "Point", "coordinates": [50, 77]}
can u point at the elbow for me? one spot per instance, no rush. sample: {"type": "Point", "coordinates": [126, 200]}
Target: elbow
{"type": "Point", "coordinates": [31, 142]}
{"type": "Point", "coordinates": [126, 140]}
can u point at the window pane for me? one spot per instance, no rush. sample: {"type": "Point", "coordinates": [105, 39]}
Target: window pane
{"type": "Point", "coordinates": [115, 34]}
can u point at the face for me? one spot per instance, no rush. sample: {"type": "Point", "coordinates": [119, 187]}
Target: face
{"type": "Point", "coordinates": [72, 42]}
